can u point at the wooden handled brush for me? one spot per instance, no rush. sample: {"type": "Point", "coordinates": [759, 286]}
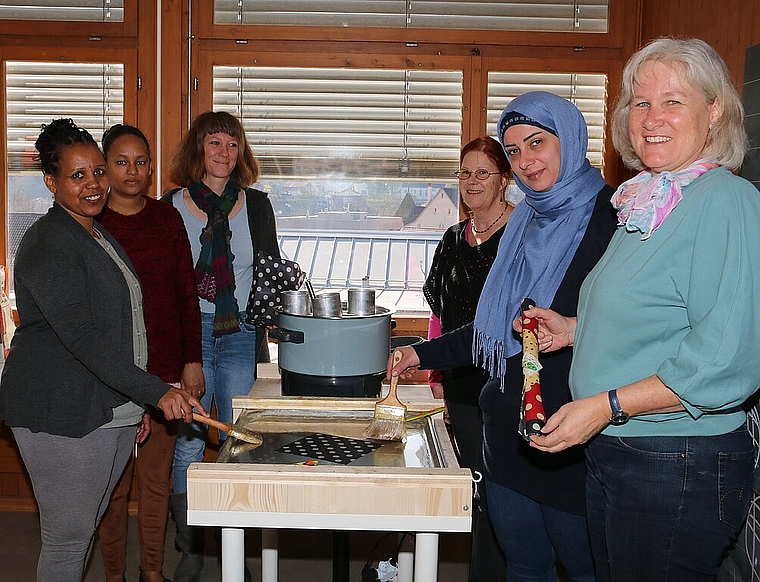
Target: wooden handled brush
{"type": "Point", "coordinates": [418, 415]}
{"type": "Point", "coordinates": [239, 433]}
{"type": "Point", "coordinates": [388, 424]}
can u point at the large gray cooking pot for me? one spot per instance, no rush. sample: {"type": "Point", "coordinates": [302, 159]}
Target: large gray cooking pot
{"type": "Point", "coordinates": [352, 345]}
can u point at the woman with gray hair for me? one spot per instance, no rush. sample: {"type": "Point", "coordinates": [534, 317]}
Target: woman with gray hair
{"type": "Point", "coordinates": [665, 340]}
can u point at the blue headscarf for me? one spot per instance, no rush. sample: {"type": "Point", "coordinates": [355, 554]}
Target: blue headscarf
{"type": "Point", "coordinates": [543, 232]}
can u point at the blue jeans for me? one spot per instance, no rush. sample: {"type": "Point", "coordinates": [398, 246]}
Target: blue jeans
{"type": "Point", "coordinates": [534, 536]}
{"type": "Point", "coordinates": [229, 368]}
{"type": "Point", "coordinates": [665, 508]}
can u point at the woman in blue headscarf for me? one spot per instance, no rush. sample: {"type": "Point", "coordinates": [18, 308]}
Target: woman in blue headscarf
{"type": "Point", "coordinates": [552, 240]}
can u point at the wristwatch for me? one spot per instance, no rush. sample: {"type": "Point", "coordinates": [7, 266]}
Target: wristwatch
{"type": "Point", "coordinates": [618, 415]}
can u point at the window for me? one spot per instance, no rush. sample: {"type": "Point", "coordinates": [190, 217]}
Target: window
{"type": "Point", "coordinates": [359, 163]}
{"type": "Point", "coordinates": [588, 93]}
{"type": "Point", "coordinates": [76, 10]}
{"type": "Point", "coordinates": [341, 149]}
{"type": "Point", "coordinates": [557, 15]}
{"type": "Point", "coordinates": [35, 93]}
{"type": "Point", "coordinates": [357, 110]}
{"type": "Point", "coordinates": [346, 152]}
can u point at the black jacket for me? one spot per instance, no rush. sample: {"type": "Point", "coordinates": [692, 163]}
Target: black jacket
{"type": "Point", "coordinates": [556, 479]}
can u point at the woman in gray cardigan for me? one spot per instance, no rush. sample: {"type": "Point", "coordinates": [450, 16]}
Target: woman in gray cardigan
{"type": "Point", "coordinates": [74, 383]}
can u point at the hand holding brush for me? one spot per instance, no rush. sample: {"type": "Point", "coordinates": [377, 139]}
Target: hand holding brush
{"type": "Point", "coordinates": [388, 424]}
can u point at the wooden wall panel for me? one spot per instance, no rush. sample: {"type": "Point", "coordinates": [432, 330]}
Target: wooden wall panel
{"type": "Point", "coordinates": [15, 488]}
{"type": "Point", "coordinates": [147, 73]}
{"type": "Point", "coordinates": [174, 81]}
{"type": "Point", "coordinates": [730, 26]}
{"type": "Point", "coordinates": [751, 167]}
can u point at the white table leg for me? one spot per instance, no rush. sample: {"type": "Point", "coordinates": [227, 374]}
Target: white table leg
{"type": "Point", "coordinates": [233, 554]}
{"type": "Point", "coordinates": [269, 555]}
{"type": "Point", "coordinates": [406, 559]}
{"type": "Point", "coordinates": [426, 557]}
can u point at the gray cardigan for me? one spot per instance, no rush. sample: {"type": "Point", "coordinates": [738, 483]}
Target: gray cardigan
{"type": "Point", "coordinates": [71, 358]}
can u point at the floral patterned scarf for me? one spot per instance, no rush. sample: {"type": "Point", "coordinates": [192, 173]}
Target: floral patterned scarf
{"type": "Point", "coordinates": [646, 200]}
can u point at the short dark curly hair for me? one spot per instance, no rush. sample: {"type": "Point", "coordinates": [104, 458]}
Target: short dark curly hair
{"type": "Point", "coordinates": [56, 136]}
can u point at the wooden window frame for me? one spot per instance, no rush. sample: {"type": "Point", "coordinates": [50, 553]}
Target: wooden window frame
{"type": "Point", "coordinates": [75, 28]}
{"type": "Point", "coordinates": [196, 44]}
{"type": "Point", "coordinates": [474, 62]}
{"type": "Point", "coordinates": [618, 11]}
{"type": "Point", "coordinates": [132, 42]}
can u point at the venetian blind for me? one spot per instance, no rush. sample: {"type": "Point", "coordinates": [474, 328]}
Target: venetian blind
{"type": "Point", "coordinates": [75, 10]}
{"type": "Point", "coordinates": [37, 92]}
{"type": "Point", "coordinates": [532, 15]}
{"type": "Point", "coordinates": [587, 91]}
{"type": "Point", "coordinates": [347, 123]}
{"type": "Point", "coordinates": [379, 124]}
{"type": "Point", "coordinates": [92, 94]}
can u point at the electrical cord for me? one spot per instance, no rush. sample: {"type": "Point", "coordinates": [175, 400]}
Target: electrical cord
{"type": "Point", "coordinates": [386, 570]}
{"type": "Point", "coordinates": [369, 574]}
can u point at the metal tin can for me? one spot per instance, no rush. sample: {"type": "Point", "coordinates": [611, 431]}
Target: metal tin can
{"type": "Point", "coordinates": [296, 302]}
{"type": "Point", "coordinates": [327, 305]}
{"type": "Point", "coordinates": [361, 301]}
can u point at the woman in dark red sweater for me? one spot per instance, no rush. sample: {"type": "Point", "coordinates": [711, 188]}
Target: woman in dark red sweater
{"type": "Point", "coordinates": [154, 237]}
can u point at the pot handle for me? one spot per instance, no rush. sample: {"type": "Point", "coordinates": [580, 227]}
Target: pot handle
{"type": "Point", "coordinates": [286, 335]}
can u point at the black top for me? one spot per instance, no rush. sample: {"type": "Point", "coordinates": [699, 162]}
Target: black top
{"type": "Point", "coordinates": [452, 290]}
{"type": "Point", "coordinates": [553, 479]}
{"type": "Point", "coordinates": [71, 359]}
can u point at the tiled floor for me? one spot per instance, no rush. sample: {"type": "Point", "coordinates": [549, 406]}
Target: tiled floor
{"type": "Point", "coordinates": [304, 555]}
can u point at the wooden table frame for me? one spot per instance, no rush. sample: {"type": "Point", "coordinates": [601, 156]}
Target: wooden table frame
{"type": "Point", "coordinates": [328, 497]}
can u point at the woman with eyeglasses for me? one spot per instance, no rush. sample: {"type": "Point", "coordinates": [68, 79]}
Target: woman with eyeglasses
{"type": "Point", "coordinates": [455, 280]}
{"type": "Point", "coordinates": [553, 239]}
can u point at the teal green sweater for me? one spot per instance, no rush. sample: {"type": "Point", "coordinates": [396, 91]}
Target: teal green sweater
{"type": "Point", "coordinates": [685, 305]}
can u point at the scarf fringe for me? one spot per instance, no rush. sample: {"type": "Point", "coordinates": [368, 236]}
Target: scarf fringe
{"type": "Point", "coordinates": [225, 325]}
{"type": "Point", "coordinates": [488, 353]}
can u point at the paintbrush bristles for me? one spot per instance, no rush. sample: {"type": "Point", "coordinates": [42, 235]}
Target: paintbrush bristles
{"type": "Point", "coordinates": [245, 435]}
{"type": "Point", "coordinates": [390, 412]}
{"type": "Point", "coordinates": [384, 429]}
{"type": "Point", "coordinates": [239, 433]}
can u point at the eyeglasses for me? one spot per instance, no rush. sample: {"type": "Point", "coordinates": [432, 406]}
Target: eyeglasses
{"type": "Point", "coordinates": [481, 174]}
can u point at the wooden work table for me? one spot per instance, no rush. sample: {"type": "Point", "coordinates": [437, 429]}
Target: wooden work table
{"type": "Point", "coordinates": [392, 495]}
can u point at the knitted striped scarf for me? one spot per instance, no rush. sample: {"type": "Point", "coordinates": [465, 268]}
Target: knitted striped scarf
{"type": "Point", "coordinates": [214, 275]}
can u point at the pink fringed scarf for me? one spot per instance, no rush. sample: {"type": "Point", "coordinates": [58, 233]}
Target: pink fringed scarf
{"type": "Point", "coordinates": [645, 201]}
